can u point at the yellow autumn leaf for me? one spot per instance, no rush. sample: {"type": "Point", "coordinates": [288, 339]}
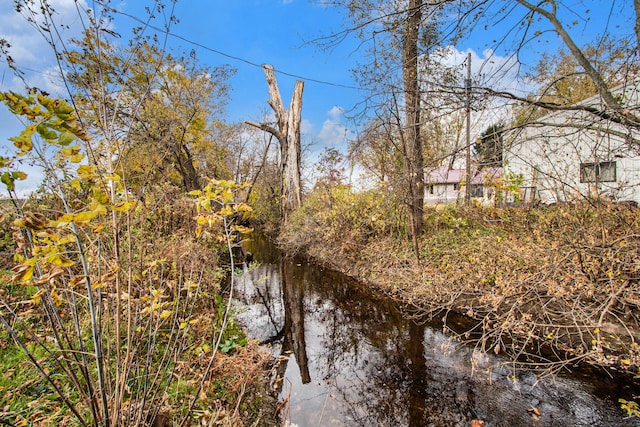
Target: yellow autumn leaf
{"type": "Point", "coordinates": [22, 272]}
{"type": "Point", "coordinates": [100, 196]}
{"type": "Point", "coordinates": [69, 238]}
{"type": "Point", "coordinates": [227, 196]}
{"type": "Point", "coordinates": [55, 297]}
{"type": "Point", "coordinates": [123, 206]}
{"type": "Point", "coordinates": [74, 150]}
{"type": "Point", "coordinates": [76, 281]}
{"type": "Point", "coordinates": [77, 158]}
{"type": "Point", "coordinates": [75, 184]}
{"type": "Point", "coordinates": [84, 216]}
{"type": "Point", "coordinates": [98, 208]}
{"type": "Point", "coordinates": [242, 229]}
{"type": "Point", "coordinates": [226, 211]}
{"type": "Point", "coordinates": [58, 259]}
{"type": "Point", "coordinates": [87, 171]}
{"type": "Point", "coordinates": [243, 207]}
{"type": "Point", "coordinates": [37, 297]}
{"type": "Point", "coordinates": [65, 218]}
{"type": "Point", "coordinates": [165, 314]}
{"type": "Point", "coordinates": [23, 141]}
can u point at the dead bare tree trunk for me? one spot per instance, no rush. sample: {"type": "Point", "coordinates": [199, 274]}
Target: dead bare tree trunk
{"type": "Point", "coordinates": [288, 133]}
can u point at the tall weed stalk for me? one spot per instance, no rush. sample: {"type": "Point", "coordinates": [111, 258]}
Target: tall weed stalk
{"type": "Point", "coordinates": [110, 352]}
{"type": "Point", "coordinates": [116, 311]}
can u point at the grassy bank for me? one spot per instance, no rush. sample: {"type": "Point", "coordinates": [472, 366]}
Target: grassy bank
{"type": "Point", "coordinates": [546, 286]}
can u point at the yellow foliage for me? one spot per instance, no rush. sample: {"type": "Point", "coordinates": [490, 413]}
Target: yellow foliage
{"type": "Point", "coordinates": [123, 206]}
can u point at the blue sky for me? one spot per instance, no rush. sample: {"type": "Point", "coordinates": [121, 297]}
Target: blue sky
{"type": "Point", "coordinates": [279, 32]}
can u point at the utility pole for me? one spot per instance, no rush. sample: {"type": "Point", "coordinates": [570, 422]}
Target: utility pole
{"type": "Point", "coordinates": [467, 88]}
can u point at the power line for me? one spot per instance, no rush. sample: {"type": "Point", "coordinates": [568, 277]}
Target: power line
{"type": "Point", "coordinates": [234, 57]}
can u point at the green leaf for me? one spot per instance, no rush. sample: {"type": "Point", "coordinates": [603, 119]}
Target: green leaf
{"type": "Point", "coordinates": [19, 175]}
{"type": "Point", "coordinates": [46, 133]}
{"type": "Point", "coordinates": [66, 138]}
{"type": "Point", "coordinates": [8, 181]}
{"type": "Point", "coordinates": [61, 108]}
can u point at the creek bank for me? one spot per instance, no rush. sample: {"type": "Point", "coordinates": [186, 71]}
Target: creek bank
{"type": "Point", "coordinates": [548, 293]}
{"type": "Point", "coordinates": [348, 349]}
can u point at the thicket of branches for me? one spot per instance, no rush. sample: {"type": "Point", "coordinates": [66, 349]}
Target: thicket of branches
{"type": "Point", "coordinates": [545, 286]}
{"type": "Point", "coordinates": [115, 297]}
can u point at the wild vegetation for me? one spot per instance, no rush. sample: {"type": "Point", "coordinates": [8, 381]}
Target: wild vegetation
{"type": "Point", "coordinates": [118, 310]}
{"type": "Point", "coordinates": [547, 286]}
{"type": "Point", "coordinates": [116, 301]}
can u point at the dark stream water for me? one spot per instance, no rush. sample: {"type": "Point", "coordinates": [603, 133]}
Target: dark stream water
{"type": "Point", "coordinates": [348, 358]}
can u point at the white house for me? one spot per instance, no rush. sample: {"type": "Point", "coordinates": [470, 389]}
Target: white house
{"type": "Point", "coordinates": [571, 154]}
{"type": "Point", "coordinates": [444, 185]}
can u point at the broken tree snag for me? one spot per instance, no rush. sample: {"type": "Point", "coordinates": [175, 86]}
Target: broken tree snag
{"type": "Point", "coordinates": [292, 191]}
{"type": "Point", "coordinates": [276, 100]}
{"type": "Point", "coordinates": [288, 134]}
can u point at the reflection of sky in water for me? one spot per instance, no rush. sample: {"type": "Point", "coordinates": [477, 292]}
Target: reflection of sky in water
{"type": "Point", "coordinates": [368, 366]}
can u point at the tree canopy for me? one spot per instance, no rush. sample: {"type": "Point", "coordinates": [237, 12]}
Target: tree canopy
{"type": "Point", "coordinates": [163, 112]}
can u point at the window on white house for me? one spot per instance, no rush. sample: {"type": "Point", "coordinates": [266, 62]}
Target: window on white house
{"type": "Point", "coordinates": [477, 190]}
{"type": "Point", "coordinates": [598, 172]}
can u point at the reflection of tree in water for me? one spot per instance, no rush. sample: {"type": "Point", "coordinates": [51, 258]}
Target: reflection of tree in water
{"type": "Point", "coordinates": [294, 340]}
{"type": "Point", "coordinates": [272, 287]}
{"type": "Point", "coordinates": [382, 370]}
{"type": "Point", "coordinates": [388, 371]}
{"type": "Point", "coordinates": [263, 311]}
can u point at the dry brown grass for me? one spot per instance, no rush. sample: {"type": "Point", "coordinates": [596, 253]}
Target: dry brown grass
{"type": "Point", "coordinates": [544, 285]}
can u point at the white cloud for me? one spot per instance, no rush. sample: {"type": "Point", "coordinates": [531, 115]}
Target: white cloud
{"type": "Point", "coordinates": [306, 127]}
{"type": "Point", "coordinates": [333, 132]}
{"type": "Point", "coordinates": [489, 69]}
{"type": "Point", "coordinates": [29, 50]}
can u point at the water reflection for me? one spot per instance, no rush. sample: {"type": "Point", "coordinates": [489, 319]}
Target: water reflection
{"type": "Point", "coordinates": [353, 360]}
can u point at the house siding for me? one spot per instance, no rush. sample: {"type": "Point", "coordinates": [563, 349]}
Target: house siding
{"type": "Point", "coordinates": [443, 186]}
{"type": "Point", "coordinates": [549, 158]}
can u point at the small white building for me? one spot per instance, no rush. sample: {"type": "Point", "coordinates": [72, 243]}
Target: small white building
{"type": "Point", "coordinates": [444, 185]}
{"type": "Point", "coordinates": [573, 154]}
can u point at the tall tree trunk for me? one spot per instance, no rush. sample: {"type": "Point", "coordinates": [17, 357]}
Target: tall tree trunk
{"type": "Point", "coordinates": [190, 177]}
{"type": "Point", "coordinates": [412, 140]}
{"type": "Point", "coordinates": [636, 5]}
{"type": "Point", "coordinates": [288, 133]}
{"type": "Point", "coordinates": [292, 189]}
